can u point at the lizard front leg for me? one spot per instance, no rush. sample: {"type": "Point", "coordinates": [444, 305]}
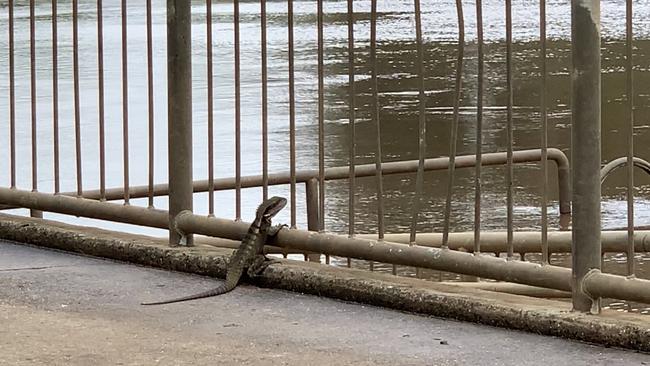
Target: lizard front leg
{"type": "Point", "coordinates": [275, 229]}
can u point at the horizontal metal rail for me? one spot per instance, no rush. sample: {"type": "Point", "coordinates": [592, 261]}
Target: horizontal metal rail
{"type": "Point", "coordinates": [513, 288]}
{"type": "Point", "coordinates": [610, 167]}
{"type": "Point", "coordinates": [597, 284]}
{"type": "Point", "coordinates": [364, 170]}
{"type": "Point", "coordinates": [526, 273]}
{"type": "Point", "coordinates": [524, 241]}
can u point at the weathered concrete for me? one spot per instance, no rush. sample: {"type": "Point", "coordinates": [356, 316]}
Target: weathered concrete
{"type": "Point", "coordinates": [445, 300]}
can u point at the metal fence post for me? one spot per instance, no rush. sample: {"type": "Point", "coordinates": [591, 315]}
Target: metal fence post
{"type": "Point", "coordinates": [585, 145]}
{"type": "Point", "coordinates": [179, 94]}
{"type": "Point", "coordinates": [313, 212]}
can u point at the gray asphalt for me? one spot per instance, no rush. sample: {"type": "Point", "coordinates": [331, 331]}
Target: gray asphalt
{"type": "Point", "coordinates": [63, 309]}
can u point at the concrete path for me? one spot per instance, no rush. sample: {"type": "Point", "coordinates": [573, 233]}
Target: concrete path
{"type": "Point", "coordinates": [63, 309]}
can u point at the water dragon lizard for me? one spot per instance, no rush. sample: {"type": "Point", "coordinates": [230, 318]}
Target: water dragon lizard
{"type": "Point", "coordinates": [249, 256]}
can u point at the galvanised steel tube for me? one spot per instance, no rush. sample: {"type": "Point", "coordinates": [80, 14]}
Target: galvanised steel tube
{"type": "Point", "coordinates": [364, 170]}
{"type": "Point", "coordinates": [543, 113]}
{"type": "Point", "coordinates": [150, 106]}
{"type": "Point", "coordinates": [12, 98]}
{"type": "Point", "coordinates": [526, 273]}
{"type": "Point", "coordinates": [606, 170]}
{"type": "Point", "coordinates": [101, 118]}
{"type": "Point", "coordinates": [237, 75]}
{"type": "Point", "coordinates": [179, 94]}
{"type": "Point", "coordinates": [352, 165]}
{"type": "Point", "coordinates": [55, 97]}
{"type": "Point", "coordinates": [34, 127]}
{"type": "Point", "coordinates": [210, 86]}
{"type": "Point", "coordinates": [125, 104]}
{"type": "Point", "coordinates": [629, 92]}
{"type": "Point", "coordinates": [375, 115]}
{"type": "Point", "coordinates": [86, 208]}
{"type": "Point", "coordinates": [585, 145]}
{"type": "Point", "coordinates": [292, 115]}
{"type": "Point", "coordinates": [422, 126]}
{"type": "Point", "coordinates": [453, 138]}
{"type": "Point", "coordinates": [509, 170]}
{"type": "Point", "coordinates": [265, 101]}
{"type": "Point", "coordinates": [524, 241]}
{"type": "Point", "coordinates": [76, 97]}
{"type": "Point", "coordinates": [598, 284]}
{"type": "Point", "coordinates": [514, 288]}
{"type": "Point", "coordinates": [321, 116]}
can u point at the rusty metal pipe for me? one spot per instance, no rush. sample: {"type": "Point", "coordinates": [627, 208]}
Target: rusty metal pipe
{"type": "Point", "coordinates": [610, 167]}
{"type": "Point", "coordinates": [86, 208]}
{"type": "Point", "coordinates": [598, 284]}
{"type": "Point", "coordinates": [524, 241]}
{"type": "Point", "coordinates": [439, 259]}
{"type": "Point", "coordinates": [514, 288]}
{"type": "Point", "coordinates": [364, 170]}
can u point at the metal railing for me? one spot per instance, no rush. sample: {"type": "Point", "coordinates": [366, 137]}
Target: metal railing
{"type": "Point", "coordinates": [423, 250]}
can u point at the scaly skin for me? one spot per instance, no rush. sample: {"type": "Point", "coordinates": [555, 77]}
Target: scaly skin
{"type": "Point", "coordinates": [249, 256]}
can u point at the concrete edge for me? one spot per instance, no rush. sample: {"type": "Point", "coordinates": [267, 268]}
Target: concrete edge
{"type": "Point", "coordinates": [546, 317]}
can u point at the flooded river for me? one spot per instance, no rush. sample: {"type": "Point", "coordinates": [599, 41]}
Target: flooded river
{"type": "Point", "coordinates": [398, 97]}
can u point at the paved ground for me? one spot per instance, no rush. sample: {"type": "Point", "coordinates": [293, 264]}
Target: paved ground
{"type": "Point", "coordinates": [62, 309]}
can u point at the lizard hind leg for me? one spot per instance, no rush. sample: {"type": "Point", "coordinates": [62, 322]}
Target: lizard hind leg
{"type": "Point", "coordinates": [259, 265]}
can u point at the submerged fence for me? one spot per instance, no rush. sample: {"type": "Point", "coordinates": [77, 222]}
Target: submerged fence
{"type": "Point", "coordinates": [335, 101]}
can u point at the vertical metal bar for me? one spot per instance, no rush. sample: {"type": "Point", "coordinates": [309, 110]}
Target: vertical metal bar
{"type": "Point", "coordinates": [150, 101]}
{"type": "Point", "coordinates": [351, 116]}
{"type": "Point", "coordinates": [454, 126]}
{"type": "Point", "coordinates": [32, 69]}
{"type": "Point", "coordinates": [544, 127]}
{"type": "Point", "coordinates": [55, 97]}
{"type": "Point", "coordinates": [292, 116]}
{"type": "Point", "coordinates": [265, 105]}
{"type": "Point", "coordinates": [100, 73]}
{"type": "Point", "coordinates": [419, 180]}
{"type": "Point", "coordinates": [585, 144]}
{"type": "Point", "coordinates": [321, 118]}
{"type": "Point", "coordinates": [125, 103]}
{"type": "Point", "coordinates": [237, 114]}
{"type": "Point", "coordinates": [479, 131]}
{"type": "Point", "coordinates": [629, 69]}
{"type": "Point", "coordinates": [12, 98]}
{"type": "Point", "coordinates": [179, 94]}
{"type": "Point", "coordinates": [321, 123]}
{"type": "Point", "coordinates": [208, 22]}
{"type": "Point", "coordinates": [313, 222]}
{"type": "Point", "coordinates": [377, 120]}
{"type": "Point", "coordinates": [311, 192]}
{"type": "Point", "coordinates": [77, 116]}
{"type": "Point", "coordinates": [509, 137]}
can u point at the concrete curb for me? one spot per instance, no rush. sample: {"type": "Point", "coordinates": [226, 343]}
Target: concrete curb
{"type": "Point", "coordinates": [541, 316]}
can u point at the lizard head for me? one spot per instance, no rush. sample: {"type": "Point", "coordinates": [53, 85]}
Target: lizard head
{"type": "Point", "coordinates": [271, 207]}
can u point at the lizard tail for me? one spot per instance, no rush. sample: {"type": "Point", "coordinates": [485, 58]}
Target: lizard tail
{"type": "Point", "coordinates": [214, 292]}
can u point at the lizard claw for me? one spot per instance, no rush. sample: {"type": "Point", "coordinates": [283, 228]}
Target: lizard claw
{"type": "Point", "coordinates": [274, 230]}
